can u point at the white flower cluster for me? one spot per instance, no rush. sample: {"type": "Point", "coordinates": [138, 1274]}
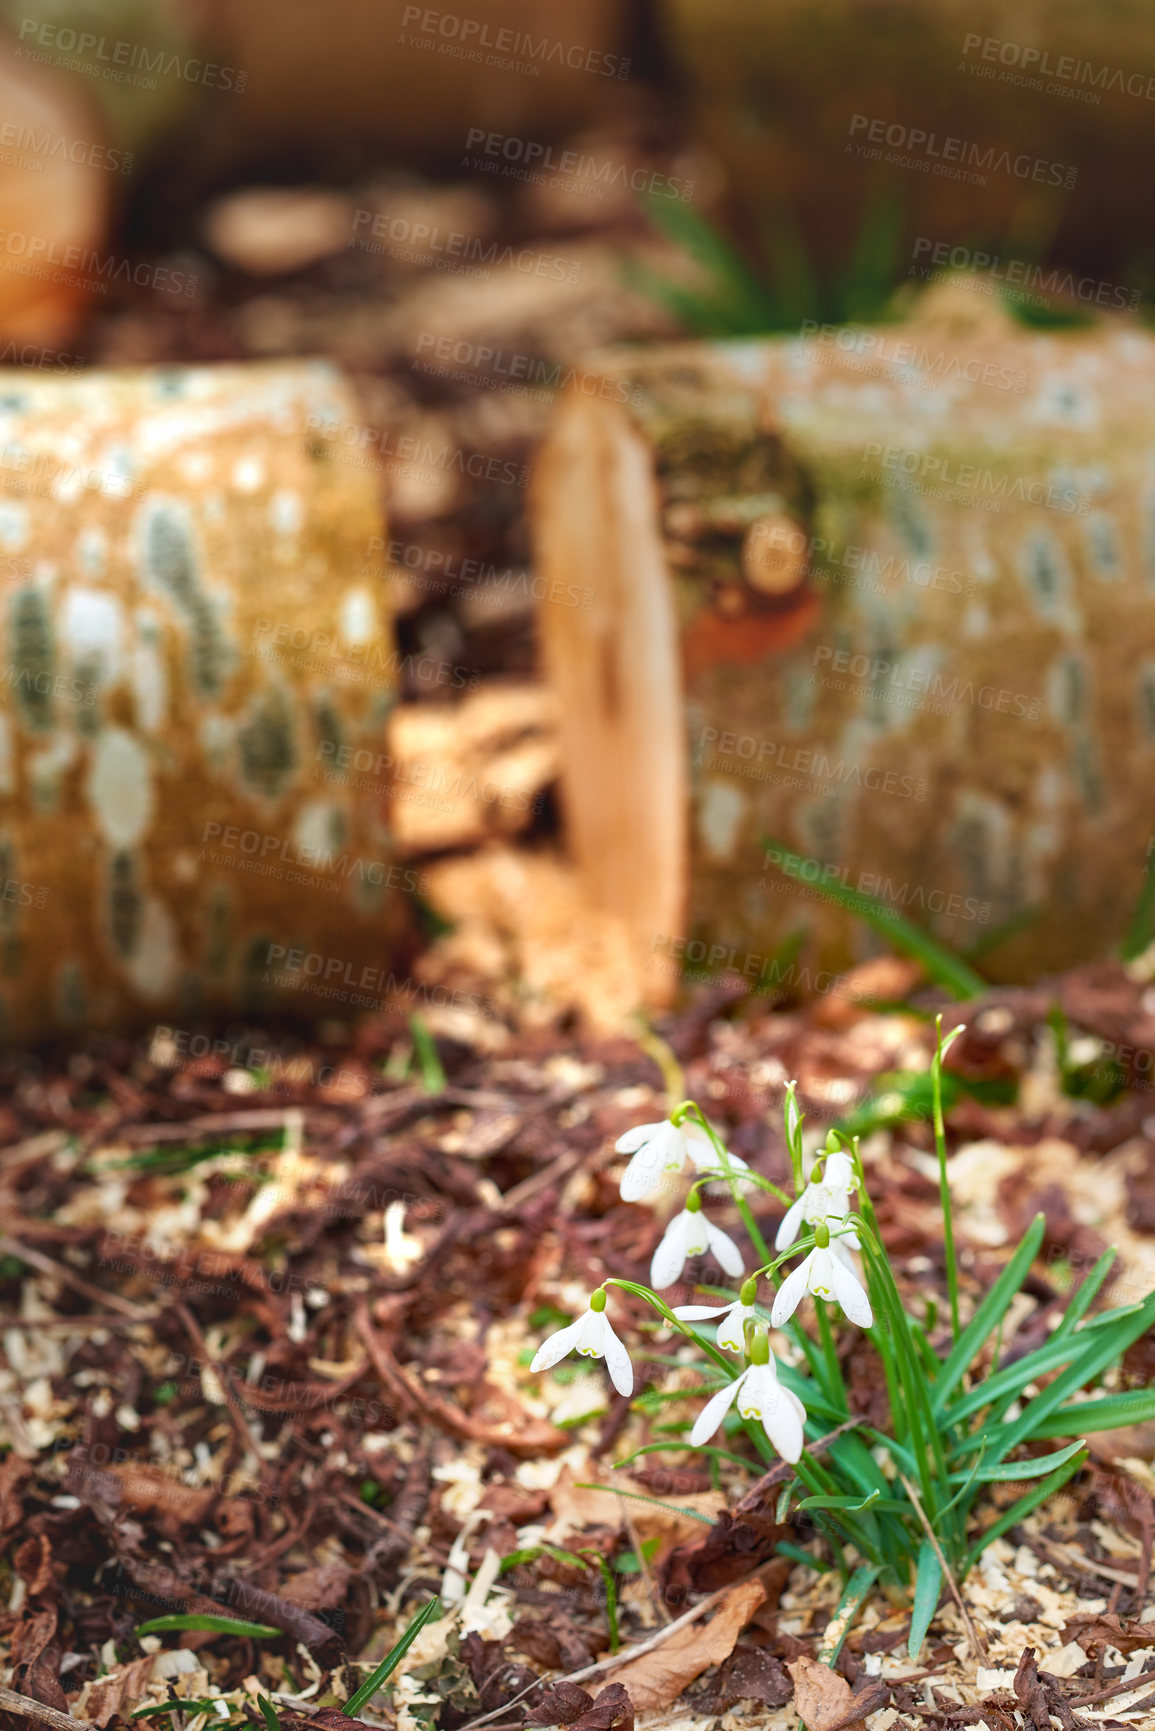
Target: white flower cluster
{"type": "Point", "coordinates": [823, 1210]}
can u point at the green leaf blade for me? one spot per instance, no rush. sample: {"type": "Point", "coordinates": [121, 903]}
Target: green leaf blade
{"type": "Point", "coordinates": [1012, 1516]}
{"type": "Point", "coordinates": [216, 1625]}
{"type": "Point", "coordinates": [942, 966]}
{"type": "Point", "coordinates": [1013, 1472]}
{"type": "Point", "coordinates": [986, 1317]}
{"type": "Point", "coordinates": [1136, 1406]}
{"type": "Point", "coordinates": [927, 1587]}
{"type": "Point", "coordinates": [391, 1660]}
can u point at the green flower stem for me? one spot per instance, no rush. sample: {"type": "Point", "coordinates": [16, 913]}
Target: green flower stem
{"type": "Point", "coordinates": [835, 1381]}
{"type": "Point", "coordinates": [943, 1181]}
{"type": "Point", "coordinates": [663, 1310]}
{"type": "Point", "coordinates": [690, 1108]}
{"type": "Point", "coordinates": [819, 1482]}
{"type": "Point", "coordinates": [760, 1441]}
{"type": "Point", "coordinates": [611, 1588]}
{"type": "Point", "coordinates": [911, 1374]}
{"type": "Point", "coordinates": [795, 1334]}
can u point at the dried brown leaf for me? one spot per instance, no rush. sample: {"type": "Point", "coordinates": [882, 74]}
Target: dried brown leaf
{"type": "Point", "coordinates": [123, 1688]}
{"type": "Point", "coordinates": [1109, 1630]}
{"type": "Point", "coordinates": [822, 1696]}
{"type": "Point", "coordinates": [658, 1678]}
{"type": "Point", "coordinates": [612, 1711]}
{"type": "Point", "coordinates": [575, 1507]}
{"type": "Point", "coordinates": [321, 1588]}
{"type": "Point", "coordinates": [752, 1674]}
{"type": "Point", "coordinates": [1030, 1691]}
{"type": "Point", "coordinates": [147, 1490]}
{"type": "Point", "coordinates": [560, 1704]}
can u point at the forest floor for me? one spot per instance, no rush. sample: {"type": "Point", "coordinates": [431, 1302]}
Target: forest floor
{"type": "Point", "coordinates": [270, 1305]}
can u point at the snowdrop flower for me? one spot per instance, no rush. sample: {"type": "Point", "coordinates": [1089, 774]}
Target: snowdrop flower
{"type": "Point", "coordinates": [826, 1273]}
{"type": "Point", "coordinates": [793, 1112]}
{"type": "Point", "coordinates": [661, 1148]}
{"type": "Point", "coordinates": [591, 1336]}
{"type": "Point", "coordinates": [828, 1200]}
{"type": "Point", "coordinates": [731, 1334]}
{"type": "Point", "coordinates": [691, 1234]}
{"type": "Point", "coordinates": [759, 1395]}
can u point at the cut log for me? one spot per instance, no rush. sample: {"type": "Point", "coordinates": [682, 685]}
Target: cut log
{"type": "Point", "coordinates": [188, 645]}
{"type": "Point", "coordinates": [613, 670]}
{"type": "Point", "coordinates": [887, 599]}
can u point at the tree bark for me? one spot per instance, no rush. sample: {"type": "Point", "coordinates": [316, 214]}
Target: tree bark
{"type": "Point", "coordinates": [188, 645]}
{"type": "Point", "coordinates": [886, 602]}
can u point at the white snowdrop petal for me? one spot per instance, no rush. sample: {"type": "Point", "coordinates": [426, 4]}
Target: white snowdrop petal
{"type": "Point", "coordinates": [850, 1293]}
{"type": "Point", "coordinates": [840, 1249]}
{"type": "Point", "coordinates": [659, 1150]}
{"type": "Point", "coordinates": [728, 1256]}
{"type": "Point", "coordinates": [731, 1336]}
{"type": "Point", "coordinates": [714, 1411]}
{"type": "Point", "coordinates": [593, 1335]}
{"type": "Point", "coordinates": [783, 1426]}
{"type": "Point", "coordinates": [760, 1391]}
{"type": "Point", "coordinates": [670, 1256]}
{"type": "Point", "coordinates": [701, 1312]}
{"type": "Point", "coordinates": [632, 1140]}
{"type": "Point", "coordinates": [640, 1178]}
{"type": "Point", "coordinates": [820, 1275]}
{"type": "Point", "coordinates": [697, 1233]}
{"type": "Point", "coordinates": [792, 1224]}
{"type": "Point", "coordinates": [698, 1145]}
{"type": "Point", "coordinates": [790, 1294]}
{"type": "Point", "coordinates": [553, 1350]}
{"type": "Point", "coordinates": [796, 1403]}
{"type": "Point", "coordinates": [838, 1171]}
{"type": "Point", "coordinates": [618, 1362]}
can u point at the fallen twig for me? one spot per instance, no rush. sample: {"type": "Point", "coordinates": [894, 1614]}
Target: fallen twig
{"type": "Point", "coordinates": [637, 1651]}
{"type": "Point", "coordinates": [531, 1438]}
{"type": "Point", "coordinates": [58, 1271]}
{"type": "Point", "coordinates": [972, 1633]}
{"type": "Point", "coordinates": [752, 1499]}
{"type": "Point", "coordinates": [26, 1708]}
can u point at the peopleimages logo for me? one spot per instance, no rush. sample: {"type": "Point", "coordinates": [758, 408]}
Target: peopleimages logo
{"type": "Point", "coordinates": [949, 157]}
{"type": "Point", "coordinates": [452, 249]}
{"type": "Point", "coordinates": [40, 257]}
{"type": "Point", "coordinates": [862, 567]}
{"type": "Point", "coordinates": [799, 766]}
{"type": "Point", "coordinates": [519, 374]}
{"type": "Point", "coordinates": [988, 487]}
{"type": "Point", "coordinates": [1017, 272]}
{"type": "Point", "coordinates": [906, 683]}
{"type": "Point", "coordinates": [1063, 68]}
{"type": "Point", "coordinates": [529, 159]}
{"type": "Point", "coordinates": [819, 876]}
{"type": "Point", "coordinates": [509, 50]}
{"type": "Point", "coordinates": [24, 147]}
{"type": "Point", "coordinates": [120, 61]}
{"type": "Point", "coordinates": [886, 350]}
{"type": "Point", "coordinates": [443, 573]}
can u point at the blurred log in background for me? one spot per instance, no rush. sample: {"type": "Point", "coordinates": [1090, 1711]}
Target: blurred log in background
{"type": "Point", "coordinates": [190, 653]}
{"type": "Point", "coordinates": [886, 601]}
